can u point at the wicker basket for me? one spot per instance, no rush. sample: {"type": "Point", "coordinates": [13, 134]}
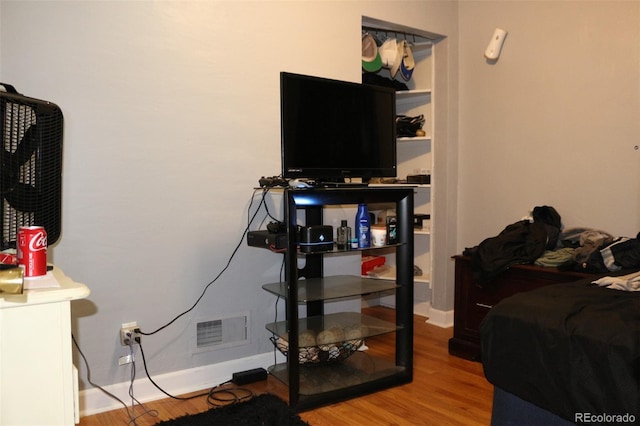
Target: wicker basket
{"type": "Point", "coordinates": [320, 354]}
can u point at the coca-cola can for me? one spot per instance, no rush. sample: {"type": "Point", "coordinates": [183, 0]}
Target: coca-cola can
{"type": "Point", "coordinates": [32, 250]}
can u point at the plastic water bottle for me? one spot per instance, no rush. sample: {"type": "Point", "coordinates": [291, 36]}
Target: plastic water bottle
{"type": "Point", "coordinates": [363, 227]}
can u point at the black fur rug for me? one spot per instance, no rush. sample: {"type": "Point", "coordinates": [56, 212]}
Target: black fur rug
{"type": "Point", "coordinates": [261, 410]}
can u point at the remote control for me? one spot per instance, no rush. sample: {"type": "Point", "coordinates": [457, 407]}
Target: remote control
{"type": "Point", "coordinates": [270, 182]}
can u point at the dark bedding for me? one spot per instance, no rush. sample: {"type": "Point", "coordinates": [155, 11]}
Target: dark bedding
{"type": "Point", "coordinates": [568, 348]}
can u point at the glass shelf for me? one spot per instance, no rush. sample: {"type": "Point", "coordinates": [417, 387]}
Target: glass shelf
{"type": "Point", "coordinates": [358, 369]}
{"type": "Point", "coordinates": [336, 251]}
{"type": "Point", "coordinates": [349, 322]}
{"type": "Point", "coordinates": [332, 287]}
{"type": "Point", "coordinates": [324, 363]}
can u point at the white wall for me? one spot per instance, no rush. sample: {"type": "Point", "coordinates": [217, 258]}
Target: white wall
{"type": "Point", "coordinates": [555, 120]}
{"type": "Point", "coordinates": [171, 116]}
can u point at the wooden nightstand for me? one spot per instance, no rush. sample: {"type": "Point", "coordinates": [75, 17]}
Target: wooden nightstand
{"type": "Point", "coordinates": [473, 302]}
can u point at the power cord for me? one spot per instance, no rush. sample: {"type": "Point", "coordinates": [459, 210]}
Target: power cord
{"type": "Point", "coordinates": [216, 397]}
{"type": "Point", "coordinates": [146, 370]}
{"type": "Point", "coordinates": [134, 401]}
{"type": "Point", "coordinates": [132, 416]}
{"type": "Point", "coordinates": [250, 219]}
{"type": "Point", "coordinates": [221, 397]}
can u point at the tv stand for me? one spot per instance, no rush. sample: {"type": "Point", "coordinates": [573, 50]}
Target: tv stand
{"type": "Point", "coordinates": [343, 185]}
{"type": "Point", "coordinates": [339, 182]}
{"type": "Point", "coordinates": [313, 382]}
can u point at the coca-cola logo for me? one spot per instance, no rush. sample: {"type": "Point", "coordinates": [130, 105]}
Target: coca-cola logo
{"type": "Point", "coordinates": [38, 242]}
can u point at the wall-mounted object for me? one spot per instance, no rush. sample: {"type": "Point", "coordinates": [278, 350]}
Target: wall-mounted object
{"type": "Point", "coordinates": [495, 45]}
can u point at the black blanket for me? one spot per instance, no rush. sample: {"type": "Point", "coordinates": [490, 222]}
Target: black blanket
{"type": "Point", "coordinates": [568, 348]}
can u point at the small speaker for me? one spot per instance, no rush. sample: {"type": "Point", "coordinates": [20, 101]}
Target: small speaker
{"type": "Point", "coordinates": [315, 238]}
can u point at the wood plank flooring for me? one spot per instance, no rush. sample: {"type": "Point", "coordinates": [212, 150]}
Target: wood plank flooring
{"type": "Point", "coordinates": [446, 390]}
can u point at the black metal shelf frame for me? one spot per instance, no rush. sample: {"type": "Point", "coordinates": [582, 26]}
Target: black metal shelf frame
{"type": "Point", "coordinates": [312, 201]}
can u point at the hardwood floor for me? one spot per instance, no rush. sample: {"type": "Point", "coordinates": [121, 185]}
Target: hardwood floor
{"type": "Point", "coordinates": [446, 390]}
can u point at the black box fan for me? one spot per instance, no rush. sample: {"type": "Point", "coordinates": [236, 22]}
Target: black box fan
{"type": "Point", "coordinates": [30, 165]}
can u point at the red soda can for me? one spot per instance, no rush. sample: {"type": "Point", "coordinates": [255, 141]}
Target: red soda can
{"type": "Point", "coordinates": [32, 250]}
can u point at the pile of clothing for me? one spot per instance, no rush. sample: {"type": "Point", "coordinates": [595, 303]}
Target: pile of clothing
{"type": "Point", "coordinates": [591, 250]}
{"type": "Point", "coordinates": [629, 282]}
{"type": "Point", "coordinates": [521, 242]}
{"type": "Point", "coordinates": [540, 240]}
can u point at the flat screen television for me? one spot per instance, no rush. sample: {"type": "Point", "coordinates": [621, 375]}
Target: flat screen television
{"type": "Point", "coordinates": [332, 130]}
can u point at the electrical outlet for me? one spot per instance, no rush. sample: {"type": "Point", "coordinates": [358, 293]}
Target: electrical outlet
{"type": "Point", "coordinates": [126, 359]}
{"type": "Point", "coordinates": [129, 332]}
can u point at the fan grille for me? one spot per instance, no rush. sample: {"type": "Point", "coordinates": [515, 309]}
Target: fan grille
{"type": "Point", "coordinates": [31, 166]}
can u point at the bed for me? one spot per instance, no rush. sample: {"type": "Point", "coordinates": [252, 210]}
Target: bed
{"type": "Point", "coordinates": [564, 354]}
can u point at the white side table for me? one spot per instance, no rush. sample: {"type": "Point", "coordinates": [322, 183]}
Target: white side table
{"type": "Point", "coordinates": [38, 382]}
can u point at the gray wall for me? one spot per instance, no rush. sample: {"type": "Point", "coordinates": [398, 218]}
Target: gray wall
{"type": "Point", "coordinates": [555, 120]}
{"type": "Point", "coordinates": [171, 116]}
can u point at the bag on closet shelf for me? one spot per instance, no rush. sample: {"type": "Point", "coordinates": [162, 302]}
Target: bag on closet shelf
{"type": "Point", "coordinates": [407, 126]}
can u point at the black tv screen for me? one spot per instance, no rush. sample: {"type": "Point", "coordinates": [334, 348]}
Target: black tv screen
{"type": "Point", "coordinates": [332, 130]}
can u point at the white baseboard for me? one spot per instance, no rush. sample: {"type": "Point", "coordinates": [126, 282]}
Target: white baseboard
{"type": "Point", "coordinates": [423, 309]}
{"type": "Point", "coordinates": [440, 318]}
{"type": "Point", "coordinates": [93, 401]}
{"type": "Point", "coordinates": [436, 317]}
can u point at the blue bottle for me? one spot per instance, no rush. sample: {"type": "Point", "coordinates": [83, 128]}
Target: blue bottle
{"type": "Point", "coordinates": [363, 227]}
